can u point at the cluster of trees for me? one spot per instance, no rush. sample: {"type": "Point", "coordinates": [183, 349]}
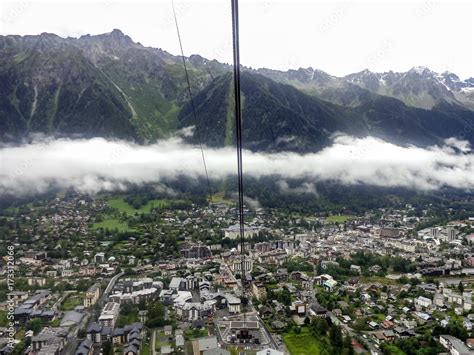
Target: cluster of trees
{"type": "Point", "coordinates": [283, 296]}
{"type": "Point", "coordinates": [455, 328]}
{"type": "Point", "coordinates": [128, 314]}
{"type": "Point", "coordinates": [156, 315]}
{"type": "Point", "coordinates": [366, 260]}
{"type": "Point", "coordinates": [35, 325]}
{"type": "Point", "coordinates": [336, 271]}
{"type": "Point", "coordinates": [337, 198]}
{"type": "Point", "coordinates": [425, 345]}
{"type": "Point", "coordinates": [298, 264]}
{"type": "Point", "coordinates": [331, 337]}
{"type": "Point", "coordinates": [326, 299]}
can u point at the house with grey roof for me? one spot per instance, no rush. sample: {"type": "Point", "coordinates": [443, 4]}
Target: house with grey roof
{"type": "Point", "coordinates": [216, 351]}
{"type": "Point", "coordinates": [71, 319]}
{"type": "Point", "coordinates": [85, 347]}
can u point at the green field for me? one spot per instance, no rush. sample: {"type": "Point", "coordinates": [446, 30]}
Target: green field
{"type": "Point", "coordinates": [121, 246]}
{"type": "Point", "coordinates": [145, 347]}
{"type": "Point", "coordinates": [393, 350]}
{"type": "Point", "coordinates": [161, 340]}
{"type": "Point", "coordinates": [220, 197]}
{"type": "Point", "coordinates": [72, 301]}
{"type": "Point", "coordinates": [339, 218]}
{"type": "Point", "coordinates": [11, 211]}
{"type": "Point", "coordinates": [112, 224]}
{"type": "Point", "coordinates": [196, 333]}
{"type": "Point", "coordinates": [303, 343]}
{"type": "Point", "coordinates": [379, 279]}
{"type": "Point", "coordinates": [123, 206]}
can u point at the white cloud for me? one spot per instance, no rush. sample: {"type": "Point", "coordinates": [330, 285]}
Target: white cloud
{"type": "Point", "coordinates": [93, 165]}
{"type": "Point", "coordinates": [306, 188]}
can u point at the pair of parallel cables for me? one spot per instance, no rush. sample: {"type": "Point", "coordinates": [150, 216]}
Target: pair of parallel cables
{"type": "Point", "coordinates": [238, 128]}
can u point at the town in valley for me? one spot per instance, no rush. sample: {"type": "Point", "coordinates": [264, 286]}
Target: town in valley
{"type": "Point", "coordinates": [120, 275]}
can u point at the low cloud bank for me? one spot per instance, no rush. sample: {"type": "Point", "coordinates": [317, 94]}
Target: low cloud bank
{"type": "Point", "coordinates": [94, 165]}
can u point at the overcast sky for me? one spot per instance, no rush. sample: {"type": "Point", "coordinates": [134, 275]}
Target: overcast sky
{"type": "Point", "coordinates": [337, 37]}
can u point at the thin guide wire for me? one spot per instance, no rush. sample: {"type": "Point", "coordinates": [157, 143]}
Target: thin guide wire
{"type": "Point", "coordinates": [198, 131]}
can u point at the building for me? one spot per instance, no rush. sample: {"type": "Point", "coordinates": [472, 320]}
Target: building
{"type": "Point", "coordinates": [298, 307]}
{"type": "Point", "coordinates": [356, 268]}
{"type": "Point", "coordinates": [49, 340]}
{"type": "Point", "coordinates": [259, 290]}
{"type": "Point", "coordinates": [390, 232]}
{"type": "Point", "coordinates": [451, 234]}
{"type": "Point", "coordinates": [37, 300]}
{"type": "Point", "coordinates": [179, 340]}
{"type": "Point", "coordinates": [454, 345]}
{"type": "Point", "coordinates": [330, 284]}
{"type": "Point", "coordinates": [318, 311]}
{"type": "Point", "coordinates": [216, 351]}
{"type": "Point", "coordinates": [263, 247]}
{"type": "Point", "coordinates": [109, 314]}
{"type": "Point", "coordinates": [128, 336]}
{"type": "Point", "coordinates": [204, 344]}
{"type": "Point", "coordinates": [233, 303]}
{"type": "Point", "coordinates": [67, 273]}
{"type": "Point", "coordinates": [16, 297]}
{"type": "Point", "coordinates": [145, 295]}
{"type": "Point", "coordinates": [85, 347]}
{"type": "Point", "coordinates": [191, 311]}
{"type": "Point", "coordinates": [196, 252]}
{"type": "Point", "coordinates": [36, 255]}
{"type": "Point", "coordinates": [71, 319]}
{"type": "Point", "coordinates": [434, 233]}
{"type": "Point", "coordinates": [92, 295]}
{"type": "Point", "coordinates": [99, 258]}
{"type": "Point", "coordinates": [37, 281]}
{"type": "Point", "coordinates": [168, 330]}
{"type": "Point", "coordinates": [236, 264]}
{"type": "Point", "coordinates": [233, 232]}
{"type": "Point", "coordinates": [423, 302]}
{"type": "Point", "coordinates": [177, 284]}
{"type": "Point", "coordinates": [95, 333]}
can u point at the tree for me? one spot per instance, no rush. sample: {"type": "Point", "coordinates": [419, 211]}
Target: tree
{"type": "Point", "coordinates": [461, 287]}
{"type": "Point", "coordinates": [35, 325]}
{"type": "Point", "coordinates": [335, 336]}
{"type": "Point", "coordinates": [347, 346]}
{"type": "Point", "coordinates": [19, 348]}
{"type": "Point", "coordinates": [156, 315]}
{"type": "Point", "coordinates": [196, 332]}
{"type": "Point", "coordinates": [107, 348]}
{"type": "Point", "coordinates": [319, 327]}
{"type": "Point", "coordinates": [81, 333]}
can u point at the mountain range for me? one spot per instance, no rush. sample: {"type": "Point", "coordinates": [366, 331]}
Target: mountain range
{"type": "Point", "coordinates": [108, 85]}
